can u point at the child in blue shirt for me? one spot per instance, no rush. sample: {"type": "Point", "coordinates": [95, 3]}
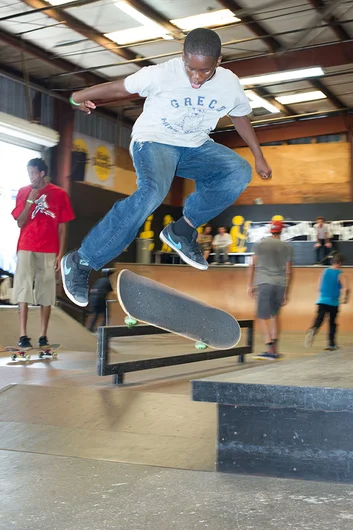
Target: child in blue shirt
{"type": "Point", "coordinates": [333, 286]}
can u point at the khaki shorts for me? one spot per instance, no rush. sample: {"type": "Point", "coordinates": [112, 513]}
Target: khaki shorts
{"type": "Point", "coordinates": [37, 268]}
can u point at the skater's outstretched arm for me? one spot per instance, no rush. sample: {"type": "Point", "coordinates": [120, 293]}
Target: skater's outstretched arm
{"type": "Point", "coordinates": [84, 99]}
{"type": "Point", "coordinates": [246, 131]}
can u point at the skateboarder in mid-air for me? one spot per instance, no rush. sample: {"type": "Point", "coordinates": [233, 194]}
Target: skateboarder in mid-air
{"type": "Point", "coordinates": [185, 98]}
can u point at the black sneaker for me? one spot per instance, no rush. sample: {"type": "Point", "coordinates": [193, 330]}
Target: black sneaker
{"type": "Point", "coordinates": [267, 356]}
{"type": "Point", "coordinates": [75, 272]}
{"type": "Point", "coordinates": [188, 251]}
{"type": "Point", "coordinates": [25, 343]}
{"type": "Point", "coordinates": [332, 348]}
{"type": "Point", "coordinates": [43, 341]}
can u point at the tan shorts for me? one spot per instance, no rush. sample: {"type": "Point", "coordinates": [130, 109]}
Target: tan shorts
{"type": "Point", "coordinates": [37, 268]}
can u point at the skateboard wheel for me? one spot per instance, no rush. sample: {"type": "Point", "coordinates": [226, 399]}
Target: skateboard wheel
{"type": "Point", "coordinates": [130, 322]}
{"type": "Point", "coordinates": [13, 357]}
{"type": "Point", "coordinates": [54, 355]}
{"type": "Point", "coordinates": [200, 345]}
{"type": "Point", "coordinates": [27, 356]}
{"type": "Point", "coordinates": [41, 355]}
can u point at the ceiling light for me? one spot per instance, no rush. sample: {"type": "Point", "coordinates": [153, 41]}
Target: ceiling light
{"type": "Point", "coordinates": [35, 134]}
{"type": "Point", "coordinates": [257, 102]}
{"type": "Point", "coordinates": [60, 2]}
{"type": "Point", "coordinates": [277, 77]}
{"type": "Point", "coordinates": [134, 13]}
{"type": "Point", "coordinates": [149, 29]}
{"type": "Point", "coordinates": [300, 98]}
{"type": "Point", "coordinates": [204, 20]}
{"type": "Point", "coordinates": [128, 36]}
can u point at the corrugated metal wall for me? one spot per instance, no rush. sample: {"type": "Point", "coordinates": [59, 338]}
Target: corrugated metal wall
{"type": "Point", "coordinates": [103, 129]}
{"type": "Point", "coordinates": [13, 101]}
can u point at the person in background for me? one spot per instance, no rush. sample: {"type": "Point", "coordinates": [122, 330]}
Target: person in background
{"type": "Point", "coordinates": [221, 244]}
{"type": "Point", "coordinates": [42, 211]}
{"type": "Point", "coordinates": [323, 244]}
{"type": "Point", "coordinates": [269, 281]}
{"type": "Point", "coordinates": [204, 240]}
{"type": "Point", "coordinates": [97, 299]}
{"type": "Point", "coordinates": [333, 287]}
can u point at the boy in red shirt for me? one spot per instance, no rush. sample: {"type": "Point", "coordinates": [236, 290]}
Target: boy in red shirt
{"type": "Point", "coordinates": [41, 212]}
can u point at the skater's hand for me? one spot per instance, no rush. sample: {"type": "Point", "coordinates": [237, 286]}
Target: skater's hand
{"type": "Point", "coordinates": [328, 245]}
{"type": "Point", "coordinates": [317, 245]}
{"type": "Point", "coordinates": [285, 299]}
{"type": "Point", "coordinates": [252, 291]}
{"type": "Point", "coordinates": [85, 106]}
{"type": "Point", "coordinates": [262, 168]}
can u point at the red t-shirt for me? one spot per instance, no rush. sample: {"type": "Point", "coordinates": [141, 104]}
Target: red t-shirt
{"type": "Point", "coordinates": [41, 231]}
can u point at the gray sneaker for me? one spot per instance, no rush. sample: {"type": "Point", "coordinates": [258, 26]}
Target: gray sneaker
{"type": "Point", "coordinates": [75, 272]}
{"type": "Point", "coordinates": [189, 251]}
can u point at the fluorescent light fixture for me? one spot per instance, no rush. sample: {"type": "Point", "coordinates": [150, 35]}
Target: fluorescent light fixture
{"type": "Point", "coordinates": [139, 34]}
{"type": "Point", "coordinates": [148, 30]}
{"type": "Point", "coordinates": [25, 130]}
{"type": "Point", "coordinates": [289, 75]}
{"type": "Point", "coordinates": [301, 98]}
{"type": "Point", "coordinates": [59, 2]}
{"type": "Point", "coordinates": [257, 102]}
{"type": "Point", "coordinates": [204, 20]}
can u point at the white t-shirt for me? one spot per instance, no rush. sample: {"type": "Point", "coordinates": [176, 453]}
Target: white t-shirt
{"type": "Point", "coordinates": [174, 113]}
{"type": "Point", "coordinates": [322, 232]}
{"type": "Point", "coordinates": [222, 240]}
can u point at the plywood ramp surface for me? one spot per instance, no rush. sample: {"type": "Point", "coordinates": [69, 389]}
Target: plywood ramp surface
{"type": "Point", "coordinates": [62, 330]}
{"type": "Point", "coordinates": [144, 428]}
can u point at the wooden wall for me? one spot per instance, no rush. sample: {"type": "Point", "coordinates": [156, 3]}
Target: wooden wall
{"type": "Point", "coordinates": [302, 173]}
{"type": "Point", "coordinates": [225, 287]}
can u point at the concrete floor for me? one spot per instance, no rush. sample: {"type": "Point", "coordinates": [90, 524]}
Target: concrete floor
{"type": "Point", "coordinates": [42, 492]}
{"type": "Point", "coordinates": [74, 448]}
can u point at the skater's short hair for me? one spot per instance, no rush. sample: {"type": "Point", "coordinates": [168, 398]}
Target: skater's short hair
{"type": "Point", "coordinates": [203, 41]}
{"type": "Point", "coordinates": [39, 164]}
{"type": "Point", "coordinates": [338, 259]}
{"type": "Point", "coordinates": [320, 218]}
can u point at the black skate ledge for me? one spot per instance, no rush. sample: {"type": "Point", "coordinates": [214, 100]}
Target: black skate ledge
{"type": "Point", "coordinates": [118, 370]}
{"type": "Point", "coordinates": [292, 419]}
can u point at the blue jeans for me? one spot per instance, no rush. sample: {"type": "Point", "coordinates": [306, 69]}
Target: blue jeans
{"type": "Point", "coordinates": [220, 174]}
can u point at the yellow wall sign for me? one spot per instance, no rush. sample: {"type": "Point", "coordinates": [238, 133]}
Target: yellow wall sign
{"type": "Point", "coordinates": [102, 162]}
{"type": "Point", "coordinates": [80, 146]}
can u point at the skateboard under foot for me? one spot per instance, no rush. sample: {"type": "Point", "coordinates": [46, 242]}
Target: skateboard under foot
{"type": "Point", "coordinates": [24, 354]}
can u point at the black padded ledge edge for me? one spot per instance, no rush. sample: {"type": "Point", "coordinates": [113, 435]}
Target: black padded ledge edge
{"type": "Point", "coordinates": [299, 397]}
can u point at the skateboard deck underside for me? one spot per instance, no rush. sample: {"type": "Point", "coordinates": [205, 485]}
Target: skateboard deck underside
{"type": "Point", "coordinates": [158, 305]}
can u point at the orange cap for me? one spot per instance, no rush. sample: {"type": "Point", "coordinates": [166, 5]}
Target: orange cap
{"type": "Point", "coordinates": [276, 227]}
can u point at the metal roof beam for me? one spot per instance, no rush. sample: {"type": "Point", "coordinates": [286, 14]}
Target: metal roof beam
{"type": "Point", "coordinates": [87, 31]}
{"type": "Point", "coordinates": [334, 23]}
{"type": "Point", "coordinates": [157, 17]}
{"type": "Point", "coordinates": [330, 95]}
{"type": "Point", "coordinates": [252, 24]}
{"type": "Point", "coordinates": [275, 132]}
{"type": "Point", "coordinates": [39, 53]}
{"type": "Point", "coordinates": [324, 55]}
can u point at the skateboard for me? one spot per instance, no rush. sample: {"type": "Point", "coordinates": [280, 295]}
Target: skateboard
{"type": "Point", "coordinates": [44, 352]}
{"type": "Point", "coordinates": [156, 304]}
{"type": "Point", "coordinates": [326, 258]}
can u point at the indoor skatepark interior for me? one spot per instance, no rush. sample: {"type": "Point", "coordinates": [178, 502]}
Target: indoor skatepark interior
{"type": "Point", "coordinates": [58, 416]}
{"type": "Point", "coordinates": [134, 428]}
